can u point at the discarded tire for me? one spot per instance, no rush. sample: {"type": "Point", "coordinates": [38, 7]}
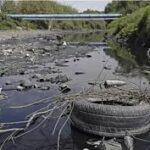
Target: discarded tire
{"type": "Point", "coordinates": [110, 120]}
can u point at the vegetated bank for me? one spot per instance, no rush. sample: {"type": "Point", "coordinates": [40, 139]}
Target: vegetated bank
{"type": "Point", "coordinates": [133, 31]}
{"type": "Point", "coordinates": [44, 7]}
{"type": "Point", "coordinates": [133, 28]}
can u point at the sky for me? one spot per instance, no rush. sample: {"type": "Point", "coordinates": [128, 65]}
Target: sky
{"type": "Point", "coordinates": [82, 5]}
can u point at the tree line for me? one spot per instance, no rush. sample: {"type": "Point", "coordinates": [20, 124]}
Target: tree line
{"type": "Point", "coordinates": [125, 7]}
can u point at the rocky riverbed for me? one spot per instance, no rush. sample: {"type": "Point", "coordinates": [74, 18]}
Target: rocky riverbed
{"type": "Point", "coordinates": [36, 58]}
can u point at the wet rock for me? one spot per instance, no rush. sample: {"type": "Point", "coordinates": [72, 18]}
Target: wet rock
{"type": "Point", "coordinates": [64, 43]}
{"type": "Point", "coordinates": [107, 67]}
{"type": "Point", "coordinates": [64, 88]}
{"type": "Point", "coordinates": [88, 56]}
{"type": "Point", "coordinates": [52, 80]}
{"type": "Point", "coordinates": [19, 28]}
{"type": "Point", "coordinates": [45, 88]}
{"type": "Point", "coordinates": [31, 50]}
{"type": "Point", "coordinates": [20, 88]}
{"type": "Point", "coordinates": [79, 73]}
{"type": "Point", "coordinates": [76, 59]}
{"type": "Point", "coordinates": [22, 72]}
{"type": "Point", "coordinates": [92, 83]}
{"type": "Point", "coordinates": [47, 48]}
{"type": "Point", "coordinates": [27, 84]}
{"type": "Point", "coordinates": [146, 72]}
{"type": "Point", "coordinates": [9, 87]}
{"type": "Point", "coordinates": [7, 52]}
{"type": "Point", "coordinates": [61, 79]}
{"type": "Point", "coordinates": [27, 55]}
{"type": "Point", "coordinates": [48, 78]}
{"type": "Point", "coordinates": [59, 37]}
{"type": "Point", "coordinates": [36, 76]}
{"type": "Point", "coordinates": [61, 64]}
{"type": "Point", "coordinates": [0, 91]}
{"type": "Point", "coordinates": [2, 96]}
{"type": "Point", "coordinates": [8, 82]}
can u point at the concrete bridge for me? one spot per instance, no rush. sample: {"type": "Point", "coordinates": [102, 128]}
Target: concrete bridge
{"type": "Point", "coordinates": [65, 16]}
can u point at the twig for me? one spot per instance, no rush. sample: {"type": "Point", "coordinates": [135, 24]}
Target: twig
{"type": "Point", "coordinates": [10, 130]}
{"type": "Point", "coordinates": [31, 104]}
{"type": "Point", "coordinates": [53, 132]}
{"type": "Point", "coordinates": [35, 126]}
{"type": "Point", "coordinates": [62, 127]}
{"type": "Point", "coordinates": [11, 123]}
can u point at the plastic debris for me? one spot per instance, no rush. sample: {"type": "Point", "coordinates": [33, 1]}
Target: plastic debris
{"type": "Point", "coordinates": [128, 141]}
{"type": "Point", "coordinates": [111, 144]}
{"type": "Point", "coordinates": [109, 83]}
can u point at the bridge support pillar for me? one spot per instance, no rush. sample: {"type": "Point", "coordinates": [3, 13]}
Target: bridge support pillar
{"type": "Point", "coordinates": [50, 24]}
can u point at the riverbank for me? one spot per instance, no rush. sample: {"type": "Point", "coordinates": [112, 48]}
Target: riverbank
{"type": "Point", "coordinates": [132, 29]}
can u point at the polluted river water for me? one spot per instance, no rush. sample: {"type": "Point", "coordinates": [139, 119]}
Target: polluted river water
{"type": "Point", "coordinates": [97, 65]}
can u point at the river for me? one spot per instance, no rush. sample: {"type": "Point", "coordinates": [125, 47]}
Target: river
{"type": "Point", "coordinates": [91, 69]}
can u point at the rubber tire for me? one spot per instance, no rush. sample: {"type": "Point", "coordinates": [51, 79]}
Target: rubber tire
{"type": "Point", "coordinates": [110, 120]}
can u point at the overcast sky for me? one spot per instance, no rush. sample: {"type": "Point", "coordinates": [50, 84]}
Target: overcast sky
{"type": "Point", "coordinates": [82, 5]}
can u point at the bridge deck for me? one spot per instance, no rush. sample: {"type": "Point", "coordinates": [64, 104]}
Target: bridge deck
{"type": "Point", "coordinates": [66, 16]}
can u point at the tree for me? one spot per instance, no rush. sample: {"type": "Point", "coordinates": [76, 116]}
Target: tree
{"type": "Point", "coordinates": [125, 7]}
{"type": "Point", "coordinates": [8, 6]}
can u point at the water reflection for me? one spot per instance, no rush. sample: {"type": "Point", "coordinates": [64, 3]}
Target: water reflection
{"type": "Point", "coordinates": [91, 37]}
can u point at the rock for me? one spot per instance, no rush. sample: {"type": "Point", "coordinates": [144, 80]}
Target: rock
{"type": "Point", "coordinates": [52, 80]}
{"type": "Point", "coordinates": [31, 50]}
{"type": "Point", "coordinates": [2, 97]}
{"type": "Point", "coordinates": [47, 48]}
{"type": "Point", "coordinates": [22, 72]}
{"type": "Point", "coordinates": [85, 149]}
{"type": "Point", "coordinates": [64, 88]}
{"type": "Point", "coordinates": [107, 67]}
{"type": "Point", "coordinates": [59, 37]}
{"type": "Point", "coordinates": [26, 84]}
{"type": "Point", "coordinates": [0, 91]}
{"type": "Point", "coordinates": [92, 83]}
{"type": "Point", "coordinates": [45, 88]}
{"type": "Point", "coordinates": [19, 28]}
{"type": "Point", "coordinates": [147, 72]}
{"type": "Point", "coordinates": [60, 64]}
{"type": "Point", "coordinates": [76, 59]}
{"type": "Point", "coordinates": [20, 88]}
{"type": "Point", "coordinates": [79, 73]}
{"type": "Point", "coordinates": [64, 43]}
{"type": "Point", "coordinates": [148, 53]}
{"type": "Point", "coordinates": [27, 55]}
{"type": "Point", "coordinates": [36, 76]}
{"type": "Point", "coordinates": [8, 82]}
{"type": "Point", "coordinates": [7, 52]}
{"type": "Point", "coordinates": [88, 56]}
{"type": "Point", "coordinates": [61, 79]}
